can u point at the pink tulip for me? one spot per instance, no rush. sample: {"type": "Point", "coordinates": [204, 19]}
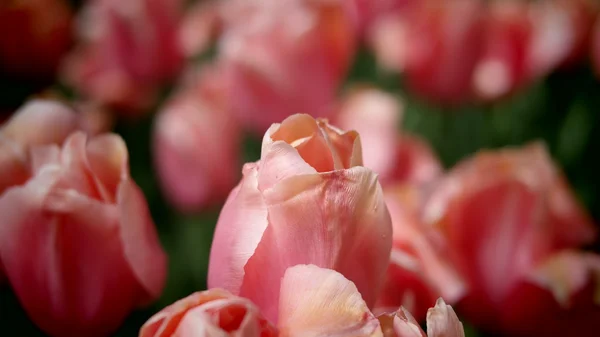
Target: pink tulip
{"type": "Point", "coordinates": [285, 57]}
{"type": "Point", "coordinates": [77, 242]}
{"type": "Point", "coordinates": [200, 27]}
{"type": "Point", "coordinates": [395, 156]}
{"type": "Point", "coordinates": [367, 13]}
{"type": "Point", "coordinates": [510, 226]}
{"type": "Point", "coordinates": [34, 36]}
{"type": "Point", "coordinates": [38, 122]}
{"type": "Point", "coordinates": [595, 48]}
{"type": "Point", "coordinates": [418, 272]}
{"type": "Point", "coordinates": [128, 49]}
{"type": "Point", "coordinates": [313, 302]}
{"type": "Point", "coordinates": [197, 144]}
{"type": "Point", "coordinates": [308, 190]}
{"type": "Point", "coordinates": [503, 65]}
{"type": "Point", "coordinates": [436, 45]}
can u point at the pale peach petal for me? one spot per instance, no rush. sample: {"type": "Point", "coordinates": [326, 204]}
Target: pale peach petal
{"type": "Point", "coordinates": [340, 214]}
{"type": "Point", "coordinates": [41, 122]}
{"type": "Point", "coordinates": [241, 225]}
{"type": "Point", "coordinates": [400, 324]}
{"type": "Point", "coordinates": [567, 272]}
{"type": "Point", "coordinates": [322, 302]}
{"type": "Point", "coordinates": [443, 322]}
{"type": "Point", "coordinates": [108, 160]}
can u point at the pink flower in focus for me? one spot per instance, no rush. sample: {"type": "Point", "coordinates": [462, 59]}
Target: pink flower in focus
{"type": "Point", "coordinates": [313, 302]}
{"type": "Point", "coordinates": [511, 226]}
{"type": "Point", "coordinates": [197, 143]}
{"type": "Point", "coordinates": [128, 49]}
{"type": "Point", "coordinates": [34, 36]}
{"type": "Point", "coordinates": [285, 57]}
{"type": "Point", "coordinates": [308, 190]}
{"type": "Point", "coordinates": [77, 242]}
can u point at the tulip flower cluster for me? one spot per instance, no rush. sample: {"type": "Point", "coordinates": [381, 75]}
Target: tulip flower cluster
{"type": "Point", "coordinates": [310, 168]}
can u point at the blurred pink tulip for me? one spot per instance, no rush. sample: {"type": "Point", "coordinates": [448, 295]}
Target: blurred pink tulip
{"type": "Point", "coordinates": [38, 122]}
{"type": "Point", "coordinates": [200, 27]}
{"type": "Point", "coordinates": [313, 302]}
{"type": "Point", "coordinates": [510, 223]}
{"type": "Point", "coordinates": [197, 143]}
{"type": "Point", "coordinates": [34, 36]}
{"type": "Point", "coordinates": [367, 13]}
{"type": "Point", "coordinates": [77, 242]}
{"type": "Point", "coordinates": [418, 272]}
{"type": "Point", "coordinates": [308, 190]}
{"type": "Point", "coordinates": [503, 65]}
{"type": "Point", "coordinates": [285, 57]}
{"type": "Point", "coordinates": [127, 50]}
{"type": "Point", "coordinates": [395, 156]}
{"type": "Point", "coordinates": [436, 45]}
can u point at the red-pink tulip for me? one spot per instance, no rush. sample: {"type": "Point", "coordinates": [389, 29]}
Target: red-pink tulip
{"type": "Point", "coordinates": [313, 302]}
{"type": "Point", "coordinates": [308, 190]}
{"type": "Point", "coordinates": [197, 143]}
{"type": "Point", "coordinates": [436, 45]}
{"type": "Point", "coordinates": [510, 223]}
{"type": "Point", "coordinates": [595, 47]}
{"type": "Point", "coordinates": [77, 242]}
{"type": "Point", "coordinates": [503, 66]}
{"type": "Point", "coordinates": [418, 272]}
{"type": "Point", "coordinates": [367, 13]}
{"type": "Point", "coordinates": [128, 49]}
{"type": "Point", "coordinates": [395, 156]}
{"type": "Point", "coordinates": [285, 57]}
{"type": "Point", "coordinates": [34, 36]}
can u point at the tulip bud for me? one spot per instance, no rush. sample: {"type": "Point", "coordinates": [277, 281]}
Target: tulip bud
{"type": "Point", "coordinates": [308, 190]}
{"type": "Point", "coordinates": [77, 242]}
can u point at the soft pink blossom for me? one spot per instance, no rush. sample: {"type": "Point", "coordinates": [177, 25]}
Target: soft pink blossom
{"type": "Point", "coordinates": [77, 242]}
{"type": "Point", "coordinates": [285, 57]}
{"type": "Point", "coordinates": [511, 227]}
{"type": "Point", "coordinates": [197, 143]}
{"type": "Point", "coordinates": [127, 50]}
{"type": "Point", "coordinates": [309, 189]}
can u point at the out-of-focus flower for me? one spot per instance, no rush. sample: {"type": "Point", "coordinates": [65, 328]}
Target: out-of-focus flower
{"type": "Point", "coordinates": [197, 143]}
{"type": "Point", "coordinates": [285, 57]}
{"type": "Point", "coordinates": [418, 272]}
{"type": "Point", "coordinates": [509, 223]}
{"type": "Point", "coordinates": [308, 190]}
{"type": "Point", "coordinates": [34, 35]}
{"type": "Point", "coordinates": [128, 49]}
{"type": "Point", "coordinates": [38, 122]}
{"type": "Point", "coordinates": [437, 46]}
{"type": "Point", "coordinates": [394, 156]}
{"type": "Point", "coordinates": [367, 13]}
{"type": "Point", "coordinates": [77, 242]}
{"type": "Point", "coordinates": [595, 47]}
{"type": "Point", "coordinates": [313, 302]}
{"type": "Point", "coordinates": [561, 32]}
{"type": "Point", "coordinates": [503, 66]}
{"type": "Point", "coordinates": [200, 27]}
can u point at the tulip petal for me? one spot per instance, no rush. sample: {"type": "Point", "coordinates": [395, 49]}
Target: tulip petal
{"type": "Point", "coordinates": [322, 302]}
{"type": "Point", "coordinates": [335, 220]}
{"type": "Point", "coordinates": [240, 228]}
{"type": "Point", "coordinates": [41, 122]}
{"type": "Point", "coordinates": [567, 272]}
{"type": "Point", "coordinates": [108, 160]}
{"type": "Point", "coordinates": [281, 161]}
{"type": "Point", "coordinates": [443, 322]}
{"type": "Point", "coordinates": [13, 164]}
{"type": "Point", "coordinates": [141, 246]}
{"type": "Point", "coordinates": [400, 324]}
{"type": "Point", "coordinates": [48, 253]}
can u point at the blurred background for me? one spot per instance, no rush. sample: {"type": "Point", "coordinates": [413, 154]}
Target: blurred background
{"type": "Point", "coordinates": [192, 85]}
